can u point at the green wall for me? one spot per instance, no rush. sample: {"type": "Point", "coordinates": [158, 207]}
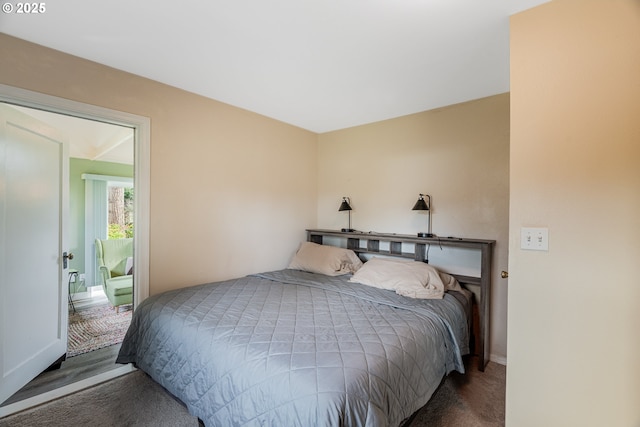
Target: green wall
{"type": "Point", "coordinates": [77, 167]}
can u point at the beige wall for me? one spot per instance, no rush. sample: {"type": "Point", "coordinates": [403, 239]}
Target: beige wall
{"type": "Point", "coordinates": [459, 155]}
{"type": "Point", "coordinates": [573, 339]}
{"type": "Point", "coordinates": [231, 191]}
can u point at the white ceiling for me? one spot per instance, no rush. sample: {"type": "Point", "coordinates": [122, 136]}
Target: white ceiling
{"type": "Point", "coordinates": [318, 64]}
{"type": "Point", "coordinates": [89, 139]}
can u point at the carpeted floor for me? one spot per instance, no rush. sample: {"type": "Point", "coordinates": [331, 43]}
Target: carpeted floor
{"type": "Point", "coordinates": [96, 327]}
{"type": "Point", "coordinates": [474, 399]}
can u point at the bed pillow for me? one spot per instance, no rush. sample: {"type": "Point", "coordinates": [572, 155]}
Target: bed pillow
{"type": "Point", "coordinates": [328, 260]}
{"type": "Point", "coordinates": [412, 279]}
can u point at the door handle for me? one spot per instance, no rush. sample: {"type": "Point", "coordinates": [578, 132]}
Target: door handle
{"type": "Point", "coordinates": [65, 258]}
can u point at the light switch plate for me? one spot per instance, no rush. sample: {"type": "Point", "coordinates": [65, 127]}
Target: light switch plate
{"type": "Point", "coordinates": [534, 239]}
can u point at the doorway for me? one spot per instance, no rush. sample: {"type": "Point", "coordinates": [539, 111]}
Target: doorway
{"type": "Point", "coordinates": [139, 127]}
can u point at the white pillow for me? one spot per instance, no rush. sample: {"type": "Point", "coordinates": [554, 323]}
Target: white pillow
{"type": "Point", "coordinates": [128, 268]}
{"type": "Point", "coordinates": [328, 260]}
{"type": "Point", "coordinates": [412, 279]}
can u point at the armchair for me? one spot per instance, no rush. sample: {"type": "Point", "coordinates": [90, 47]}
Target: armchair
{"type": "Point", "coordinates": [117, 282]}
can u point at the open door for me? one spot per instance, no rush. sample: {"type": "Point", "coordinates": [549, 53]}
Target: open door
{"type": "Point", "coordinates": [34, 180]}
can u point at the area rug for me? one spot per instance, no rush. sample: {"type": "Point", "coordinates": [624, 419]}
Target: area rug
{"type": "Point", "coordinates": [96, 327]}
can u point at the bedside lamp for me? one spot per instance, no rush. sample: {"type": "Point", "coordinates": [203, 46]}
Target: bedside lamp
{"type": "Point", "coordinates": [421, 205]}
{"type": "Point", "coordinates": [345, 206]}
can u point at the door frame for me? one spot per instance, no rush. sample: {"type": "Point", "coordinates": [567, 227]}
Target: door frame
{"type": "Point", "coordinates": [142, 142]}
{"type": "Point", "coordinates": [141, 172]}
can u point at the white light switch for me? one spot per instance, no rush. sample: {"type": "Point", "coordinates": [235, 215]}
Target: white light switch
{"type": "Point", "coordinates": [534, 239]}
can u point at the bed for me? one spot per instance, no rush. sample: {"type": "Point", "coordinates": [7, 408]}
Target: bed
{"type": "Point", "coordinates": [304, 345]}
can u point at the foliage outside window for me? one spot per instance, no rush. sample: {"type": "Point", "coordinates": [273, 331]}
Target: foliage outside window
{"type": "Point", "coordinates": [120, 212]}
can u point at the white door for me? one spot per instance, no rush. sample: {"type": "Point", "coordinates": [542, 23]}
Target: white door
{"type": "Point", "coordinates": [33, 280]}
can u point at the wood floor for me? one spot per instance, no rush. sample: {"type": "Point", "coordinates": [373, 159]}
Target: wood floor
{"type": "Point", "coordinates": [73, 369]}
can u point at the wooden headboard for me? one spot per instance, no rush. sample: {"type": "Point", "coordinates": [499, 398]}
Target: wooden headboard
{"type": "Point", "coordinates": [419, 245]}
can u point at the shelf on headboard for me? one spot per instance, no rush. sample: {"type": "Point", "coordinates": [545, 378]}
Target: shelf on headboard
{"type": "Point", "coordinates": [420, 244]}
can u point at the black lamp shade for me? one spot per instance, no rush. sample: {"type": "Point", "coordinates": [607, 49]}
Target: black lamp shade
{"type": "Point", "coordinates": [420, 205]}
{"type": "Point", "coordinates": [344, 206]}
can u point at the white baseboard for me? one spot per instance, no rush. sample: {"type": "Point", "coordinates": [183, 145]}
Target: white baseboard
{"type": "Point", "coordinates": [502, 360]}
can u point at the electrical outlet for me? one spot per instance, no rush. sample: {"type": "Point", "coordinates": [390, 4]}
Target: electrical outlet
{"type": "Point", "coordinates": [82, 277]}
{"type": "Point", "coordinates": [534, 239]}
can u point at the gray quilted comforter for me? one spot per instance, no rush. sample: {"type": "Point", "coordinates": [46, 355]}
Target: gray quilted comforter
{"type": "Point", "coordinates": [290, 348]}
